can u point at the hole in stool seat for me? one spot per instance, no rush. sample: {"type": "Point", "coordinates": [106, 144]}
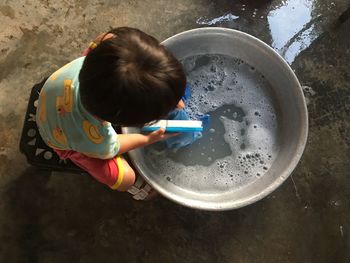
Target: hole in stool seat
{"type": "Point", "coordinates": [48, 155]}
{"type": "Point", "coordinates": [31, 132]}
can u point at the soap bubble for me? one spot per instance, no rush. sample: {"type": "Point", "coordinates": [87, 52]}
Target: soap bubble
{"type": "Point", "coordinates": [220, 82]}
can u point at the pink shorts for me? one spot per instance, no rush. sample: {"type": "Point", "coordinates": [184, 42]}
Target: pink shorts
{"type": "Point", "coordinates": [109, 171]}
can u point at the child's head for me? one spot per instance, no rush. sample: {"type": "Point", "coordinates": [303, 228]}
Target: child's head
{"type": "Point", "coordinates": [131, 79]}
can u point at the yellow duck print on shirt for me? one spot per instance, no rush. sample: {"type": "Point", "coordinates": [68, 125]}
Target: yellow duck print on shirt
{"type": "Point", "coordinates": [64, 103]}
{"type": "Point", "coordinates": [92, 132]}
{"type": "Point", "coordinates": [42, 107]}
{"type": "Point", "coordinates": [53, 146]}
{"type": "Point", "coordinates": [57, 72]}
{"type": "Point", "coordinates": [59, 136]}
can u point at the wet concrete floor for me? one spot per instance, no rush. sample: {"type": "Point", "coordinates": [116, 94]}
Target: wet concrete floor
{"type": "Point", "coordinates": [60, 217]}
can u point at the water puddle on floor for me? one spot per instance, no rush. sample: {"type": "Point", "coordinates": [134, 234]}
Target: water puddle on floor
{"type": "Point", "coordinates": [291, 24]}
{"type": "Point", "coordinates": [292, 27]}
{"type": "Point", "coordinates": [241, 143]}
{"type": "Point", "coordinates": [224, 18]}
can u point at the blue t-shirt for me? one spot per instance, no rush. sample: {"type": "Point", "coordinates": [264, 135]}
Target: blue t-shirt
{"type": "Point", "coordinates": [63, 122]}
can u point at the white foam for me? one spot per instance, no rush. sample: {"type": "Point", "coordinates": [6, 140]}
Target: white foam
{"type": "Point", "coordinates": [217, 81]}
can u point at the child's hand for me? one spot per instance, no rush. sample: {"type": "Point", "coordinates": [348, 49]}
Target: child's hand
{"type": "Point", "coordinates": [180, 105]}
{"type": "Point", "coordinates": [129, 142]}
{"type": "Point", "coordinates": [159, 135]}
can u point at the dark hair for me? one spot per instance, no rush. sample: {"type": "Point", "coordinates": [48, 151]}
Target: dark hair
{"type": "Point", "coordinates": [131, 79]}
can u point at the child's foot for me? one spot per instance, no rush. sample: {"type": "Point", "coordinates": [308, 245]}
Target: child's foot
{"type": "Point", "coordinates": [141, 190]}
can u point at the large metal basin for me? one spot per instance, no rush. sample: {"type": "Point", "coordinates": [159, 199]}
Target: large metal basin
{"type": "Point", "coordinates": [292, 113]}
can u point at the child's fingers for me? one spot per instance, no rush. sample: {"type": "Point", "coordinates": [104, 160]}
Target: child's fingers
{"type": "Point", "coordinates": [169, 135]}
{"type": "Point", "coordinates": [161, 135]}
{"type": "Point", "coordinates": [159, 132]}
{"type": "Point", "coordinates": [180, 105]}
{"type": "Point", "coordinates": [156, 135]}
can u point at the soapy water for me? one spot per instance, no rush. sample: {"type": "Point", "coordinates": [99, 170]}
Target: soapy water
{"type": "Point", "coordinates": [241, 142]}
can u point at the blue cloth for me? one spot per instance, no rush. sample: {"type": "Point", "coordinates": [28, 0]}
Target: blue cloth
{"type": "Point", "coordinates": [186, 138]}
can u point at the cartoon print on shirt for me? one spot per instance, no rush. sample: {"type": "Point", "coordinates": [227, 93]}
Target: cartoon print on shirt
{"type": "Point", "coordinates": [64, 103]}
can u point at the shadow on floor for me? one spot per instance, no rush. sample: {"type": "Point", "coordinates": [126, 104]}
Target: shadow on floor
{"type": "Point", "coordinates": [71, 217]}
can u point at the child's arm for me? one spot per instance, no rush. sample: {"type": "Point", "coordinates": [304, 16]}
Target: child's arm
{"type": "Point", "coordinates": [129, 142]}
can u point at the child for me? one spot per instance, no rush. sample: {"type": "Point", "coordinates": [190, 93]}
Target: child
{"type": "Point", "coordinates": [128, 79]}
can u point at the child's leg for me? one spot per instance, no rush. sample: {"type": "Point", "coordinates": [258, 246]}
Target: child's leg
{"type": "Point", "coordinates": [115, 172]}
{"type": "Point", "coordinates": [129, 176]}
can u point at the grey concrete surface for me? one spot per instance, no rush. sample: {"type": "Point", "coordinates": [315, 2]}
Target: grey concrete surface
{"type": "Point", "coordinates": [61, 217]}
